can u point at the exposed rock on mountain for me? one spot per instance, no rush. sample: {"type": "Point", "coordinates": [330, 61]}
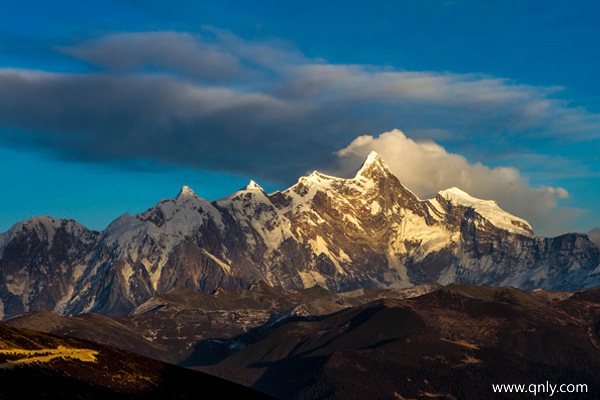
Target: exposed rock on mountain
{"type": "Point", "coordinates": [342, 234]}
{"type": "Point", "coordinates": [41, 261]}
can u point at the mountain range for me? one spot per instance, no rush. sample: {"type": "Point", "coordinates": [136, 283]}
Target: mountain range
{"type": "Point", "coordinates": [340, 234]}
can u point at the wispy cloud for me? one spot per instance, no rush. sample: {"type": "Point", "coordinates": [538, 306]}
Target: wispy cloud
{"type": "Point", "coordinates": [175, 52]}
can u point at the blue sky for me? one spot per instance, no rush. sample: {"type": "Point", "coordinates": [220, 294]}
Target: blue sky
{"type": "Point", "coordinates": [106, 107]}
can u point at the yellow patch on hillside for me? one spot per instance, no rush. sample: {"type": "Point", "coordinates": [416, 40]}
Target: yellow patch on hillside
{"type": "Point", "coordinates": [24, 356]}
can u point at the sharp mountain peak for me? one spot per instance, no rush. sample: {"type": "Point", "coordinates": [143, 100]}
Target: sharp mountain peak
{"type": "Point", "coordinates": [373, 166]}
{"type": "Point", "coordinates": [252, 185]}
{"type": "Point", "coordinates": [186, 191]}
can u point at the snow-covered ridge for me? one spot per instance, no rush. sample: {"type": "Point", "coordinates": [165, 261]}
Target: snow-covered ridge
{"type": "Point", "coordinates": [489, 210]}
{"type": "Point", "coordinates": [302, 193]}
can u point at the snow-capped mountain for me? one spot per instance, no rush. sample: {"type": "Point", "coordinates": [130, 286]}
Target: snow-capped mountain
{"type": "Point", "coordinates": [342, 234]}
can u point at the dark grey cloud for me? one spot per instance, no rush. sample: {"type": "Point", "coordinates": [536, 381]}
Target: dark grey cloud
{"type": "Point", "coordinates": [98, 117]}
{"type": "Point", "coordinates": [216, 101]}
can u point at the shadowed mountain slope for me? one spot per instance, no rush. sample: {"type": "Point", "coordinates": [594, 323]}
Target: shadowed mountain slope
{"type": "Point", "coordinates": [451, 342]}
{"type": "Point", "coordinates": [41, 366]}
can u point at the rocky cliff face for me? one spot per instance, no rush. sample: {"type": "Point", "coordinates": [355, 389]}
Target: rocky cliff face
{"type": "Point", "coordinates": [41, 260]}
{"type": "Point", "coordinates": [342, 234]}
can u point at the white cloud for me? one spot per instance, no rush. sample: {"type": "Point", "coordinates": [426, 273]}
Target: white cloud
{"type": "Point", "coordinates": [426, 168]}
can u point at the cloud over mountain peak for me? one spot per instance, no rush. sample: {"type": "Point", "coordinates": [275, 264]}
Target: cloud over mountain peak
{"type": "Point", "coordinates": [426, 168]}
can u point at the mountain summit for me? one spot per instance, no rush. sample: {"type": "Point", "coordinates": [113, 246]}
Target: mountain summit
{"type": "Point", "coordinates": [186, 191]}
{"type": "Point", "coordinates": [373, 166]}
{"type": "Point", "coordinates": [368, 231]}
